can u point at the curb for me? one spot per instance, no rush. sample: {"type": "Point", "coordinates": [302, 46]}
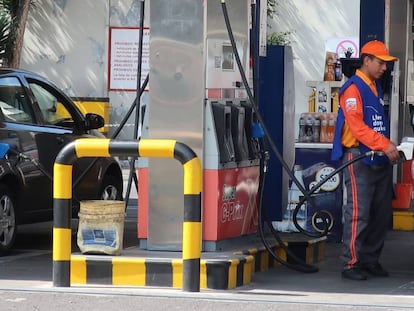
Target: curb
{"type": "Point", "coordinates": [222, 271]}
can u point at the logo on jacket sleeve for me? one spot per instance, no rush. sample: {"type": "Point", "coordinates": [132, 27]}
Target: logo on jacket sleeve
{"type": "Point", "coordinates": [350, 104]}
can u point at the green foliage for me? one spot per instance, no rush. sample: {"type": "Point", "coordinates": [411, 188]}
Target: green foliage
{"type": "Point", "coordinates": [13, 18]}
{"type": "Point", "coordinates": [7, 33]}
{"type": "Point", "coordinates": [279, 38]}
{"type": "Point", "coordinates": [271, 8]}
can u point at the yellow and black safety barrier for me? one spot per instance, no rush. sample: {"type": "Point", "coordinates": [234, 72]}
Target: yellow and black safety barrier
{"type": "Point", "coordinates": [225, 270]}
{"type": "Point", "coordinates": [163, 272]}
{"type": "Point", "coordinates": [97, 147]}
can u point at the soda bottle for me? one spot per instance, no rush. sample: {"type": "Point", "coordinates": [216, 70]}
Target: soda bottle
{"type": "Point", "coordinates": [302, 132]}
{"type": "Point", "coordinates": [331, 127]}
{"type": "Point", "coordinates": [312, 101]}
{"type": "Point", "coordinates": [338, 70]}
{"type": "Point", "coordinates": [323, 138]}
{"type": "Point", "coordinates": [308, 128]}
{"type": "Point", "coordinates": [316, 129]}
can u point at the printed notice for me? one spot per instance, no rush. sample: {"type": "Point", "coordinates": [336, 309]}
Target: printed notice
{"type": "Point", "coordinates": [123, 58]}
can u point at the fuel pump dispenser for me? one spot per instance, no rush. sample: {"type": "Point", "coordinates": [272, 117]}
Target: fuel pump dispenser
{"type": "Point", "coordinates": [197, 97]}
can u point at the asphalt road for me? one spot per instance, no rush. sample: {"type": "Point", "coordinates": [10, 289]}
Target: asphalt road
{"type": "Point", "coordinates": [26, 283]}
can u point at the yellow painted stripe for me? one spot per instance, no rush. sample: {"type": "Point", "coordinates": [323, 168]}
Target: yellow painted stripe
{"type": "Point", "coordinates": [191, 240]}
{"type": "Point", "coordinates": [157, 148]}
{"type": "Point", "coordinates": [128, 271]}
{"type": "Point", "coordinates": [203, 274]}
{"type": "Point", "coordinates": [92, 147]}
{"type": "Point", "coordinates": [62, 243]}
{"type": "Point", "coordinates": [264, 261]}
{"type": "Point", "coordinates": [248, 269]}
{"type": "Point", "coordinates": [252, 251]}
{"type": "Point", "coordinates": [232, 282]}
{"type": "Point", "coordinates": [281, 253]}
{"type": "Point", "coordinates": [177, 265]}
{"type": "Point", "coordinates": [192, 177]}
{"type": "Point", "coordinates": [62, 181]}
{"type": "Point", "coordinates": [78, 270]}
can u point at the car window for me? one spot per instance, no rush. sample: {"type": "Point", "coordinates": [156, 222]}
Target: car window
{"type": "Point", "coordinates": [52, 109]}
{"type": "Point", "coordinates": [13, 101]}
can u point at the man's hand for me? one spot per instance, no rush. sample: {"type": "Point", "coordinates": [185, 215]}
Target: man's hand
{"type": "Point", "coordinates": [392, 153]}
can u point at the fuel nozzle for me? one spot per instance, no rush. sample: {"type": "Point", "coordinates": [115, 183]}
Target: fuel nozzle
{"type": "Point", "coordinates": [406, 147]}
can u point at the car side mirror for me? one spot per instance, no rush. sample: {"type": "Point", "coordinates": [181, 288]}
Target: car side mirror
{"type": "Point", "coordinates": [93, 121]}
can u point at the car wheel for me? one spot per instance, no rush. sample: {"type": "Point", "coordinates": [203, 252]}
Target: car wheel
{"type": "Point", "coordinates": [111, 189]}
{"type": "Point", "coordinates": [8, 225]}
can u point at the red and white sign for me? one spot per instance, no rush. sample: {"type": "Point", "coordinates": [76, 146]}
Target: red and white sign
{"type": "Point", "coordinates": [343, 47]}
{"type": "Point", "coordinates": [230, 202]}
{"type": "Point", "coordinates": [123, 58]}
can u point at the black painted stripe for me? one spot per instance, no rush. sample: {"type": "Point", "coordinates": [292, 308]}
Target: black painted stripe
{"type": "Point", "coordinates": [68, 154]}
{"type": "Point", "coordinates": [61, 273]}
{"type": "Point", "coordinates": [192, 210]}
{"type": "Point", "coordinates": [183, 153]}
{"type": "Point", "coordinates": [62, 213]}
{"type": "Point", "coordinates": [91, 99]}
{"type": "Point", "coordinates": [125, 148]}
{"type": "Point", "coordinates": [240, 271]}
{"type": "Point", "coordinates": [99, 272]}
{"type": "Point", "coordinates": [218, 274]}
{"type": "Point", "coordinates": [191, 268]}
{"type": "Point", "coordinates": [297, 250]}
{"type": "Point", "coordinates": [159, 273]}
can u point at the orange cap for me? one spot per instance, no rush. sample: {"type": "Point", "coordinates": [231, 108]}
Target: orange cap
{"type": "Point", "coordinates": [379, 50]}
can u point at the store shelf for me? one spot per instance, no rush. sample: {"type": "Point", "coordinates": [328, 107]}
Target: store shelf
{"type": "Point", "coordinates": [332, 84]}
{"type": "Point", "coordinates": [314, 145]}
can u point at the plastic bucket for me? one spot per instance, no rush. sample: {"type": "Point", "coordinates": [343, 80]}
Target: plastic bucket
{"type": "Point", "coordinates": [101, 227]}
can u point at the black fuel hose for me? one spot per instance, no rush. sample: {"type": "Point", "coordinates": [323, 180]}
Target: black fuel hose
{"type": "Point", "coordinates": [301, 266]}
{"type": "Point", "coordinates": [327, 224]}
{"type": "Point", "coordinates": [254, 105]}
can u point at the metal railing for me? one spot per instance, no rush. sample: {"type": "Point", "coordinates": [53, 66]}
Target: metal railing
{"type": "Point", "coordinates": [97, 147]}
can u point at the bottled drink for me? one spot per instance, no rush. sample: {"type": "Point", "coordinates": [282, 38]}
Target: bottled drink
{"type": "Point", "coordinates": [335, 101]}
{"type": "Point", "coordinates": [323, 138]}
{"type": "Point", "coordinates": [302, 132]}
{"type": "Point", "coordinates": [312, 101]}
{"type": "Point", "coordinates": [331, 127]}
{"type": "Point", "coordinates": [308, 128]}
{"type": "Point", "coordinates": [338, 70]}
{"type": "Point", "coordinates": [316, 129]}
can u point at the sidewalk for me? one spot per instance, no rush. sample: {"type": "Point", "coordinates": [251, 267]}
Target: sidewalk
{"type": "Point", "coordinates": [397, 258]}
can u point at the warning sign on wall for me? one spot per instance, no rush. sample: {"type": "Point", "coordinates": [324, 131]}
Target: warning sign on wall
{"type": "Point", "coordinates": [347, 47]}
{"type": "Point", "coordinates": [123, 58]}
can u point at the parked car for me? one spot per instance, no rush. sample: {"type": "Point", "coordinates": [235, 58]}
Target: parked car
{"type": "Point", "coordinates": [36, 121]}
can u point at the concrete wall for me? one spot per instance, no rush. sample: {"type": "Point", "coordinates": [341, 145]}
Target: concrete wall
{"type": "Point", "coordinates": [67, 41]}
{"type": "Point", "coordinates": [312, 22]}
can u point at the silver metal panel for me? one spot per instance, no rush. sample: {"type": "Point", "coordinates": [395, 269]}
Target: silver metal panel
{"type": "Point", "coordinates": [179, 29]}
{"type": "Point", "coordinates": [175, 109]}
{"type": "Point", "coordinates": [221, 67]}
{"type": "Point", "coordinates": [288, 121]}
{"type": "Point", "coordinates": [400, 44]}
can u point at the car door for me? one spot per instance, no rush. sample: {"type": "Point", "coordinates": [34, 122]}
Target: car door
{"type": "Point", "coordinates": [18, 128]}
{"type": "Point", "coordinates": [62, 123]}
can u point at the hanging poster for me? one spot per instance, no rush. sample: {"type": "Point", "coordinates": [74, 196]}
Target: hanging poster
{"type": "Point", "coordinates": [123, 58]}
